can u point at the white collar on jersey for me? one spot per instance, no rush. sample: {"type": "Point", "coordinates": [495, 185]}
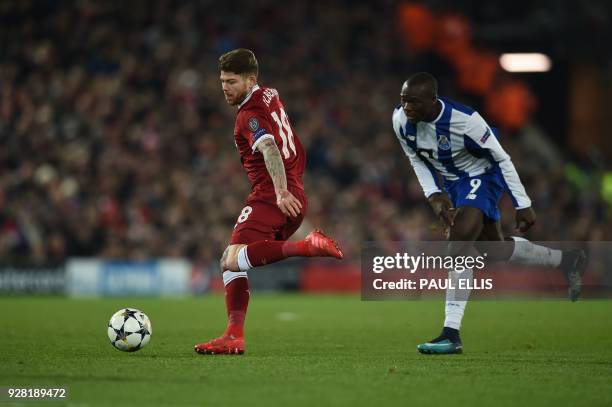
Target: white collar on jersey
{"type": "Point", "coordinates": [248, 96]}
{"type": "Point", "coordinates": [441, 111]}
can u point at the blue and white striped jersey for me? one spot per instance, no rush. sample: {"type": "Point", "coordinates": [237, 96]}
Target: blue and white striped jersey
{"type": "Point", "coordinates": [457, 144]}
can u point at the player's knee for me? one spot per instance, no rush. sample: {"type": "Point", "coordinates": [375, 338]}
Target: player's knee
{"type": "Point", "coordinates": [229, 260]}
{"type": "Point", "coordinates": [229, 264]}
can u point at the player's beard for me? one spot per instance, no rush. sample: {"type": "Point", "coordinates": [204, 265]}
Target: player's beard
{"type": "Point", "coordinates": [234, 100]}
{"type": "Point", "coordinates": [239, 99]}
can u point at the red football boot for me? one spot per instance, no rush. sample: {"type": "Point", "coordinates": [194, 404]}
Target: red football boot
{"type": "Point", "coordinates": [224, 345]}
{"type": "Point", "coordinates": [321, 245]}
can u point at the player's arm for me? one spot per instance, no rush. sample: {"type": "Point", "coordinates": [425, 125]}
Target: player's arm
{"type": "Point", "coordinates": [482, 135]}
{"type": "Point", "coordinates": [427, 177]}
{"type": "Point", "coordinates": [286, 201]}
{"type": "Point", "coordinates": [438, 199]}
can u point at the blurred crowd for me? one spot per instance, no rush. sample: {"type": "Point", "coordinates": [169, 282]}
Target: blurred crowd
{"type": "Point", "coordinates": [116, 140]}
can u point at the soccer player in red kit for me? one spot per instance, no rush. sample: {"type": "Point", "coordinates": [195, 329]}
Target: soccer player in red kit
{"type": "Point", "coordinates": [274, 161]}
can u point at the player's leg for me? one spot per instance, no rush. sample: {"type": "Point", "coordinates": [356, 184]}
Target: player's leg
{"type": "Point", "coordinates": [476, 201]}
{"type": "Point", "coordinates": [253, 244]}
{"type": "Point", "coordinates": [276, 247]}
{"type": "Point", "coordinates": [572, 263]}
{"type": "Point", "coordinates": [237, 294]}
{"type": "Point", "coordinates": [467, 227]}
{"type": "Point", "coordinates": [515, 249]}
{"type": "Point", "coordinates": [235, 281]}
{"type": "Point", "coordinates": [518, 250]}
{"type": "Point", "coordinates": [262, 252]}
{"type": "Point", "coordinates": [236, 302]}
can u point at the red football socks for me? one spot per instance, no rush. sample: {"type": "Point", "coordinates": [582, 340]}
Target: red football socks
{"type": "Point", "coordinates": [236, 302]}
{"type": "Point", "coordinates": [271, 251]}
{"type": "Point", "coordinates": [237, 290]}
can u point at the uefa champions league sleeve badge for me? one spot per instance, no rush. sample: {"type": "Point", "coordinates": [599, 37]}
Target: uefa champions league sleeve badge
{"type": "Point", "coordinates": [253, 124]}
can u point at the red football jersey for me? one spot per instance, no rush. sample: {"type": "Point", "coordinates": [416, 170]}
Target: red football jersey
{"type": "Point", "coordinates": [262, 116]}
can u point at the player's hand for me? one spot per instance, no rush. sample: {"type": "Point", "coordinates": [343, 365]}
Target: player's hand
{"type": "Point", "coordinates": [525, 218]}
{"type": "Point", "coordinates": [443, 209]}
{"type": "Point", "coordinates": [288, 203]}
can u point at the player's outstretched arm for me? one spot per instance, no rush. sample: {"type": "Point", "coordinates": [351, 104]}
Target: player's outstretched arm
{"type": "Point", "coordinates": [286, 201]}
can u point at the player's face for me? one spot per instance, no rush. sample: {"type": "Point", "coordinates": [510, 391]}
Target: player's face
{"type": "Point", "coordinates": [417, 106]}
{"type": "Point", "coordinates": [235, 87]}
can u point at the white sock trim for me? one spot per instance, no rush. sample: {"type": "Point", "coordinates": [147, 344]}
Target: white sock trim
{"type": "Point", "coordinates": [531, 254]}
{"type": "Point", "coordinates": [243, 259]}
{"type": "Point", "coordinates": [454, 311]}
{"type": "Point", "coordinates": [456, 298]}
{"type": "Point", "coordinates": [229, 276]}
{"type": "Point", "coordinates": [516, 251]}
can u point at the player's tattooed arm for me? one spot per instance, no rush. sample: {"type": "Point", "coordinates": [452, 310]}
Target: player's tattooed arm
{"type": "Point", "coordinates": [286, 201]}
{"type": "Point", "coordinates": [274, 163]}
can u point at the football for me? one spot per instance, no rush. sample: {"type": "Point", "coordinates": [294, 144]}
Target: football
{"type": "Point", "coordinates": [129, 330]}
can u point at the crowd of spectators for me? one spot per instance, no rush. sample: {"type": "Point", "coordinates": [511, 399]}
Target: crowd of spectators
{"type": "Point", "coordinates": [116, 140]}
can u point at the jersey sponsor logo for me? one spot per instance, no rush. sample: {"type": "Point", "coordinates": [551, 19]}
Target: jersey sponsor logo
{"type": "Point", "coordinates": [443, 143]}
{"type": "Point", "coordinates": [411, 138]}
{"type": "Point", "coordinates": [485, 137]}
{"type": "Point", "coordinates": [253, 124]}
{"type": "Point", "coordinates": [258, 133]}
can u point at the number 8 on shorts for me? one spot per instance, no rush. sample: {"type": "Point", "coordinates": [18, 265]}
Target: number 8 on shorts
{"type": "Point", "coordinates": [244, 215]}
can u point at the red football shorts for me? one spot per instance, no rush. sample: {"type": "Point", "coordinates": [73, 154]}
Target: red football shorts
{"type": "Point", "coordinates": [261, 219]}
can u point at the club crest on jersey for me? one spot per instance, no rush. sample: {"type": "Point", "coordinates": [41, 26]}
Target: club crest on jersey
{"type": "Point", "coordinates": [253, 124]}
{"type": "Point", "coordinates": [444, 143]}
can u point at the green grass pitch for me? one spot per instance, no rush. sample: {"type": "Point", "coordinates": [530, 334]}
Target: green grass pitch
{"type": "Point", "coordinates": [313, 351]}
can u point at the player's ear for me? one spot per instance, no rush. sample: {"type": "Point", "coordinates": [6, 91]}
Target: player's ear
{"type": "Point", "coordinates": [251, 80]}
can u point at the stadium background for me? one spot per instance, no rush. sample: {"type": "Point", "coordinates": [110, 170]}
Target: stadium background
{"type": "Point", "coordinates": [116, 148]}
{"type": "Point", "coordinates": [117, 142]}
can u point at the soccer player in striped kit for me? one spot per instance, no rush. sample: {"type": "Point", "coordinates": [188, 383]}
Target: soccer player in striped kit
{"type": "Point", "coordinates": [445, 139]}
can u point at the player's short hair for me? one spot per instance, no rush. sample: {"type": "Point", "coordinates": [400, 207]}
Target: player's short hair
{"type": "Point", "coordinates": [240, 61]}
{"type": "Point", "coordinates": [423, 80]}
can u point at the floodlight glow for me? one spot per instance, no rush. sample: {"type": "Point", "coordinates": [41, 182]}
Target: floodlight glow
{"type": "Point", "coordinates": [527, 62]}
